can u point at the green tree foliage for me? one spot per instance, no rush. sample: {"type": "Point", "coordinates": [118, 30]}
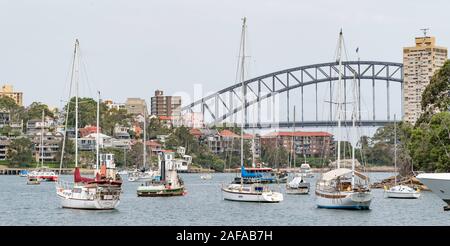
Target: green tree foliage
{"type": "Point", "coordinates": [8, 104]}
{"type": "Point", "coordinates": [111, 118]}
{"type": "Point", "coordinates": [154, 128]}
{"type": "Point", "coordinates": [34, 111]}
{"type": "Point", "coordinates": [275, 156]}
{"type": "Point", "coordinates": [430, 144]}
{"type": "Point", "coordinates": [20, 152]}
{"type": "Point", "coordinates": [87, 112]}
{"type": "Point", "coordinates": [436, 95]}
{"type": "Point", "coordinates": [69, 153]}
{"type": "Point", "coordinates": [182, 137]}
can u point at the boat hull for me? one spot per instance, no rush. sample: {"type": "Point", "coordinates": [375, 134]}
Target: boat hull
{"type": "Point", "coordinates": [88, 204]}
{"type": "Point", "coordinates": [402, 195]}
{"type": "Point", "coordinates": [267, 197]}
{"type": "Point", "coordinates": [146, 192]}
{"type": "Point", "coordinates": [344, 200]}
{"type": "Point", "coordinates": [297, 191]}
{"type": "Point", "coordinates": [438, 183]}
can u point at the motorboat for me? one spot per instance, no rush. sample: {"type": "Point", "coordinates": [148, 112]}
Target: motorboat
{"type": "Point", "coordinates": [438, 183]}
{"type": "Point", "coordinates": [33, 180]}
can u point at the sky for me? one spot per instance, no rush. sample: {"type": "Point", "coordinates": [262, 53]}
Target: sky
{"type": "Point", "coordinates": [131, 48]}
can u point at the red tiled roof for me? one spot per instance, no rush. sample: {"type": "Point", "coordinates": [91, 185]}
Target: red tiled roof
{"type": "Point", "coordinates": [153, 144]}
{"type": "Point", "coordinates": [167, 151]}
{"type": "Point", "coordinates": [162, 117]}
{"type": "Point", "coordinates": [195, 132]}
{"type": "Point", "coordinates": [298, 134]}
{"type": "Point", "coordinates": [228, 133]}
{"type": "Point", "coordinates": [88, 130]}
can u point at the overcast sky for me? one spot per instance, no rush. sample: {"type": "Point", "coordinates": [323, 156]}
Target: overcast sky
{"type": "Point", "coordinates": [132, 47]}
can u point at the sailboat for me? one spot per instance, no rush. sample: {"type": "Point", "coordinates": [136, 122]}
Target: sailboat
{"type": "Point", "coordinates": [400, 191]}
{"type": "Point", "coordinates": [241, 192]}
{"type": "Point", "coordinates": [343, 188]}
{"type": "Point", "coordinates": [41, 172]}
{"type": "Point", "coordinates": [99, 193]}
{"type": "Point", "coordinates": [298, 185]}
{"type": "Point", "coordinates": [143, 174]}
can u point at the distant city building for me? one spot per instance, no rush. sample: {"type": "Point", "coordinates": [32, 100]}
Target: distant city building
{"type": "Point", "coordinates": [5, 117]}
{"type": "Point", "coordinates": [35, 125]}
{"type": "Point", "coordinates": [7, 91]}
{"type": "Point", "coordinates": [4, 143]}
{"type": "Point", "coordinates": [420, 62]}
{"type": "Point", "coordinates": [191, 120]}
{"type": "Point", "coordinates": [136, 106]}
{"type": "Point", "coordinates": [310, 144]}
{"type": "Point", "coordinates": [166, 105]}
{"type": "Point", "coordinates": [51, 147]}
{"type": "Point", "coordinates": [224, 141]}
{"type": "Point", "coordinates": [112, 105]}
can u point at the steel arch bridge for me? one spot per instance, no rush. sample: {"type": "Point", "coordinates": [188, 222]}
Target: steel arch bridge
{"type": "Point", "coordinates": [226, 103]}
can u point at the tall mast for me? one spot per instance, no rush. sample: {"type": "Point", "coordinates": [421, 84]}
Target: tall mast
{"type": "Point", "coordinates": [293, 142]}
{"type": "Point", "coordinates": [68, 107]}
{"type": "Point", "coordinates": [145, 138]}
{"type": "Point", "coordinates": [338, 162]}
{"type": "Point", "coordinates": [76, 104]}
{"type": "Point", "coordinates": [98, 132]}
{"type": "Point", "coordinates": [244, 20]}
{"type": "Point", "coordinates": [395, 150]}
{"type": "Point", "coordinates": [42, 139]}
{"type": "Point", "coordinates": [354, 127]}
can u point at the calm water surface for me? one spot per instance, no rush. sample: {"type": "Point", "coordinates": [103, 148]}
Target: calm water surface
{"type": "Point", "coordinates": [22, 204]}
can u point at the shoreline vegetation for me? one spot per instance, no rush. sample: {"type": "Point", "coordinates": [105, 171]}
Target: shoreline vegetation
{"type": "Point", "coordinates": [204, 170]}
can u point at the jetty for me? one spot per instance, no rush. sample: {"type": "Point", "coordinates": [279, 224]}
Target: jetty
{"type": "Point", "coordinates": [64, 171]}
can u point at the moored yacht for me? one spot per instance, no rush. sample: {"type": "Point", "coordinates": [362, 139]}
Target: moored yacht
{"type": "Point", "coordinates": [400, 191]}
{"type": "Point", "coordinates": [103, 191]}
{"type": "Point", "coordinates": [247, 192]}
{"type": "Point", "coordinates": [343, 188]}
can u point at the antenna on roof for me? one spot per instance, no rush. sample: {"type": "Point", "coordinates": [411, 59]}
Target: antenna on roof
{"type": "Point", "coordinates": [425, 30]}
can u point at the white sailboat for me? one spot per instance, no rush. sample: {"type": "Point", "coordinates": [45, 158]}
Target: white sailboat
{"type": "Point", "coordinates": [103, 191]}
{"type": "Point", "coordinates": [247, 192]}
{"type": "Point", "coordinates": [41, 172]}
{"type": "Point", "coordinates": [142, 175]}
{"type": "Point", "coordinates": [343, 188]}
{"type": "Point", "coordinates": [298, 185]}
{"type": "Point", "coordinates": [400, 191]}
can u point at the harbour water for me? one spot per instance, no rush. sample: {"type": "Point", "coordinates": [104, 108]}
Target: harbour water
{"type": "Point", "coordinates": [22, 204]}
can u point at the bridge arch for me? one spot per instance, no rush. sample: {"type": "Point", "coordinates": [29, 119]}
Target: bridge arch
{"type": "Point", "coordinates": [269, 85]}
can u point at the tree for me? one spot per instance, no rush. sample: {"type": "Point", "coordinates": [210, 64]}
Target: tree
{"type": "Point", "coordinates": [154, 128]}
{"type": "Point", "coordinates": [182, 137]}
{"type": "Point", "coordinates": [87, 112]}
{"type": "Point", "coordinates": [135, 156]}
{"type": "Point", "coordinates": [8, 104]}
{"type": "Point", "coordinates": [34, 111]}
{"type": "Point", "coordinates": [435, 97]}
{"type": "Point", "coordinates": [20, 152]}
{"type": "Point", "coordinates": [430, 144]}
{"type": "Point", "coordinates": [69, 153]}
{"type": "Point", "coordinates": [111, 118]}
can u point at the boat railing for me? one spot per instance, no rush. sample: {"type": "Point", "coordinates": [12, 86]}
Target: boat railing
{"type": "Point", "coordinates": [64, 184]}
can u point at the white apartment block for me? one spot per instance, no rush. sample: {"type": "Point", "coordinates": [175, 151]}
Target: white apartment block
{"type": "Point", "coordinates": [420, 62]}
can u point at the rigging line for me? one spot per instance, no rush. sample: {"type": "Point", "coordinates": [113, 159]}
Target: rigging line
{"type": "Point", "coordinates": [86, 72]}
